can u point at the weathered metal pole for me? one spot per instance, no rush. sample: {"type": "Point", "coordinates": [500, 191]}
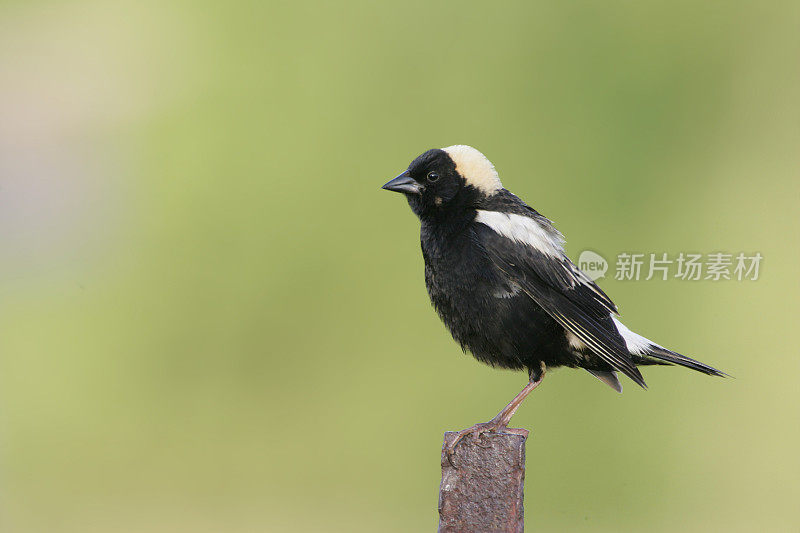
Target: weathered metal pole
{"type": "Point", "coordinates": [482, 490]}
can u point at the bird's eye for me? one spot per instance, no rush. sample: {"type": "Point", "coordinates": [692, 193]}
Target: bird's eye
{"type": "Point", "coordinates": [433, 176]}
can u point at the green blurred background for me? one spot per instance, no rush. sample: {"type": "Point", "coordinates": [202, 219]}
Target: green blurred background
{"type": "Point", "coordinates": [213, 319]}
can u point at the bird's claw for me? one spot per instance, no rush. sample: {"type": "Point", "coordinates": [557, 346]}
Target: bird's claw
{"type": "Point", "coordinates": [478, 437]}
{"type": "Point", "coordinates": [477, 431]}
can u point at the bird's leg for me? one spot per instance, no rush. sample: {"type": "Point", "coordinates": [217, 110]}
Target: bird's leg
{"type": "Point", "coordinates": [500, 422]}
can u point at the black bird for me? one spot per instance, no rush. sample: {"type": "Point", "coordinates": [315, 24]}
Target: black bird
{"type": "Point", "coordinates": [497, 275]}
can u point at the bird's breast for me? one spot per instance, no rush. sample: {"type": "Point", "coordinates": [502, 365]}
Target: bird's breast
{"type": "Point", "coordinates": [461, 279]}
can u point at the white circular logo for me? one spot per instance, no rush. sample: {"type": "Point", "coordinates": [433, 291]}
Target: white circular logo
{"type": "Point", "coordinates": [592, 264]}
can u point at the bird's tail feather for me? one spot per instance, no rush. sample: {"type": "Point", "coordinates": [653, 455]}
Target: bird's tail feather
{"type": "Point", "coordinates": [608, 377]}
{"type": "Point", "coordinates": [664, 356]}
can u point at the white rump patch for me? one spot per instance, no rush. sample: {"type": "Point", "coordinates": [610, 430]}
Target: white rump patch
{"type": "Point", "coordinates": [636, 343]}
{"type": "Point", "coordinates": [474, 167]}
{"type": "Point", "coordinates": [574, 342]}
{"type": "Point", "coordinates": [524, 230]}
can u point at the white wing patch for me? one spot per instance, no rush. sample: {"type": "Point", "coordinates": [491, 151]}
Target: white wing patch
{"type": "Point", "coordinates": [636, 343]}
{"type": "Point", "coordinates": [474, 168]}
{"type": "Point", "coordinates": [524, 230]}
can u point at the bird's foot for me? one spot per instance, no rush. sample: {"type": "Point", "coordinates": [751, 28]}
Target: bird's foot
{"type": "Point", "coordinates": [476, 433]}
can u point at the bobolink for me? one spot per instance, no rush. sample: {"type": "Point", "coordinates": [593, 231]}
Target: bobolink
{"type": "Point", "coordinates": [497, 275]}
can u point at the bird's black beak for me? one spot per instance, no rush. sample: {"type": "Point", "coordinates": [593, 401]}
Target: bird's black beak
{"type": "Point", "coordinates": [403, 183]}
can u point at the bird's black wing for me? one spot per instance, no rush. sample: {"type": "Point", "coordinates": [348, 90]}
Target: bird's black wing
{"type": "Point", "coordinates": [557, 270]}
{"type": "Point", "coordinates": [546, 274]}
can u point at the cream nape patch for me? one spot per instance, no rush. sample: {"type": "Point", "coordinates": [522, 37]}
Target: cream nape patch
{"type": "Point", "coordinates": [474, 167]}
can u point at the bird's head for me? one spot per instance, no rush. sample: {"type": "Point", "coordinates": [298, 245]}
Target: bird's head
{"type": "Point", "coordinates": [445, 179]}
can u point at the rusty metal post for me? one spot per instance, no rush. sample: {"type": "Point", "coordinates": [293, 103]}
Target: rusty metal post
{"type": "Point", "coordinates": [483, 491]}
